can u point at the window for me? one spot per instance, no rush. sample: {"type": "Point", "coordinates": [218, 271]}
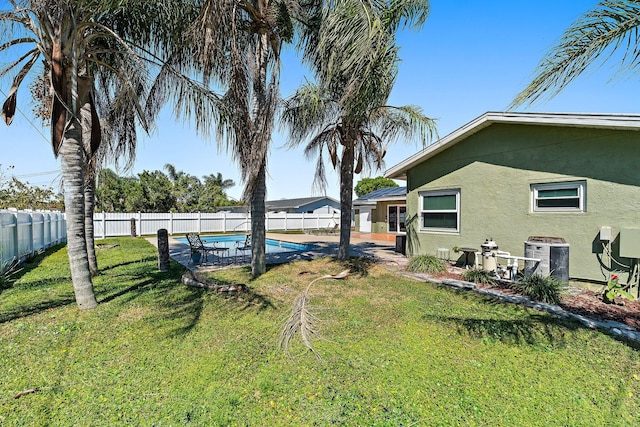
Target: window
{"type": "Point", "coordinates": [440, 210]}
{"type": "Point", "coordinates": [558, 196]}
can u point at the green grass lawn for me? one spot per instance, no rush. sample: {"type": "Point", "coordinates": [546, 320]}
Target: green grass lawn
{"type": "Point", "coordinates": [396, 352]}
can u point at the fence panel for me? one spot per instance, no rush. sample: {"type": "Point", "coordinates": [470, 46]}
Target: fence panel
{"type": "Point", "coordinates": [8, 246]}
{"type": "Point", "coordinates": [38, 229]}
{"type": "Point", "coordinates": [118, 224]}
{"type": "Point", "coordinates": [185, 223]}
{"type": "Point", "coordinates": [47, 230]}
{"type": "Point", "coordinates": [23, 233]}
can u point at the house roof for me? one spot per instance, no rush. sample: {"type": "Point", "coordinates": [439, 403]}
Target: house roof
{"type": "Point", "coordinates": [297, 203]}
{"type": "Point", "coordinates": [383, 194]}
{"type": "Point", "coordinates": [582, 120]}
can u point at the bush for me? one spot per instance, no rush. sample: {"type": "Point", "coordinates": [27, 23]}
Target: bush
{"type": "Point", "coordinates": [426, 264]}
{"type": "Point", "coordinates": [540, 288]}
{"type": "Point", "coordinates": [7, 271]}
{"type": "Point", "coordinates": [477, 275]}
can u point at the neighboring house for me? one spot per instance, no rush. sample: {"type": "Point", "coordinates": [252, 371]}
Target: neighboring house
{"type": "Point", "coordinates": [316, 205]}
{"type": "Point", "coordinates": [381, 211]}
{"type": "Point", "coordinates": [311, 205]}
{"type": "Point", "coordinates": [509, 176]}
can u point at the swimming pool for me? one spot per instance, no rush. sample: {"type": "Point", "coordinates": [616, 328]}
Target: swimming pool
{"type": "Point", "coordinates": [232, 240]}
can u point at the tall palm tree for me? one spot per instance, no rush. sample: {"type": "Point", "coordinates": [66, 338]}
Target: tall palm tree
{"type": "Point", "coordinates": [79, 40]}
{"type": "Point", "coordinates": [354, 58]}
{"type": "Point", "coordinates": [609, 26]}
{"type": "Point", "coordinates": [238, 45]}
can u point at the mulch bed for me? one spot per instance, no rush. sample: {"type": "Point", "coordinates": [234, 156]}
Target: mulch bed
{"type": "Point", "coordinates": [585, 302]}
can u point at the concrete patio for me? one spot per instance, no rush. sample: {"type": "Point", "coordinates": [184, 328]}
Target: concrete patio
{"type": "Point", "coordinates": [323, 245]}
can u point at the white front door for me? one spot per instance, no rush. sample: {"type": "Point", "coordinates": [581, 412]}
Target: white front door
{"type": "Point", "coordinates": [365, 220]}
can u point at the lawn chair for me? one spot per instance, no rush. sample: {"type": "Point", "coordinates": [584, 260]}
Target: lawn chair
{"type": "Point", "coordinates": [244, 247]}
{"type": "Point", "coordinates": [333, 230]}
{"type": "Point", "coordinates": [197, 245]}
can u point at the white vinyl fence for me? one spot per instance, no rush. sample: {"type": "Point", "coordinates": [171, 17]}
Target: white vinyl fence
{"type": "Point", "coordinates": [23, 233]}
{"type": "Point", "coordinates": [120, 224]}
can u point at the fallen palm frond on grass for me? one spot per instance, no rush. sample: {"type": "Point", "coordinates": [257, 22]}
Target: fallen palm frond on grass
{"type": "Point", "coordinates": [190, 279]}
{"type": "Point", "coordinates": [302, 320]}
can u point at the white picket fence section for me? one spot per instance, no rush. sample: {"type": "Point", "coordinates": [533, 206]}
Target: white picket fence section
{"type": "Point", "coordinates": [23, 233]}
{"type": "Point", "coordinates": [119, 224]}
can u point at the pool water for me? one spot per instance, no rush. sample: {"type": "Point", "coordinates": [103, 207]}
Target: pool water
{"type": "Point", "coordinates": [232, 240]}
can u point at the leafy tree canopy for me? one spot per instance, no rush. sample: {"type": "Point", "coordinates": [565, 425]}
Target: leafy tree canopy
{"type": "Point", "coordinates": [368, 185]}
{"type": "Point", "coordinates": [22, 195]}
{"type": "Point", "coordinates": [157, 191]}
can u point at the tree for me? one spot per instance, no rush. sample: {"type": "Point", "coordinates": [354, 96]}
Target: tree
{"type": "Point", "coordinates": [354, 59]}
{"type": "Point", "coordinates": [187, 189]}
{"type": "Point", "coordinates": [368, 185]}
{"type": "Point", "coordinates": [78, 42]}
{"type": "Point", "coordinates": [156, 191]}
{"type": "Point", "coordinates": [239, 44]}
{"type": "Point", "coordinates": [109, 192]}
{"type": "Point", "coordinates": [609, 26]}
{"type": "Point", "coordinates": [22, 195]}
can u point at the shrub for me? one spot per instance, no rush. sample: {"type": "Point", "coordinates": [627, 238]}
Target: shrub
{"type": "Point", "coordinates": [478, 275]}
{"type": "Point", "coordinates": [426, 264]}
{"type": "Point", "coordinates": [540, 288]}
{"type": "Point", "coordinates": [614, 289]}
{"type": "Point", "coordinates": [7, 271]}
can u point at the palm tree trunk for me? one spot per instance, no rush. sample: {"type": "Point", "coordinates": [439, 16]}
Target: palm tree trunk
{"type": "Point", "coordinates": [89, 205]}
{"type": "Point", "coordinates": [71, 155]}
{"type": "Point", "coordinates": [258, 229]}
{"type": "Point", "coordinates": [259, 188]}
{"type": "Point", "coordinates": [84, 88]}
{"type": "Point", "coordinates": [346, 198]}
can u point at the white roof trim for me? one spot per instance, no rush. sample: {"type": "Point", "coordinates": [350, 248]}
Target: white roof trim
{"type": "Point", "coordinates": [583, 120]}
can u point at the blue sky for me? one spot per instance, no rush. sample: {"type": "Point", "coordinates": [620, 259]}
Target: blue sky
{"type": "Point", "coordinates": [471, 57]}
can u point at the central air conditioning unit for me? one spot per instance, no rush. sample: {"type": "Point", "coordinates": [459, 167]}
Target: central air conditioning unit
{"type": "Point", "coordinates": [553, 253]}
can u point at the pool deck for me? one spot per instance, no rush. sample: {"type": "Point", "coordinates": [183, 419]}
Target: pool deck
{"type": "Point", "coordinates": [323, 245]}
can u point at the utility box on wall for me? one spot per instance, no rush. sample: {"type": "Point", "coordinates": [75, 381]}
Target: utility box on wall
{"type": "Point", "coordinates": [630, 242]}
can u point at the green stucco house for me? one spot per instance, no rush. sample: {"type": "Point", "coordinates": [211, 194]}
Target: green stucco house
{"type": "Point", "coordinates": [510, 176]}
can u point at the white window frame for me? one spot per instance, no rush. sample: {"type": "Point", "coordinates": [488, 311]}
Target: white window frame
{"type": "Point", "coordinates": [452, 192]}
{"type": "Point", "coordinates": [581, 186]}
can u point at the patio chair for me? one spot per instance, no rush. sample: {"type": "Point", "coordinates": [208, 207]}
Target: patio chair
{"type": "Point", "coordinates": [197, 245]}
{"type": "Point", "coordinates": [333, 230]}
{"type": "Point", "coordinates": [244, 247]}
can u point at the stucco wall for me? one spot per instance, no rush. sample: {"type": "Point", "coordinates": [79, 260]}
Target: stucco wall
{"type": "Point", "coordinates": [494, 170]}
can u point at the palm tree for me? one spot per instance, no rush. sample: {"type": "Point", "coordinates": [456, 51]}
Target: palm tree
{"type": "Point", "coordinates": [78, 42]}
{"type": "Point", "coordinates": [598, 34]}
{"type": "Point", "coordinates": [238, 44]}
{"type": "Point", "coordinates": [354, 58]}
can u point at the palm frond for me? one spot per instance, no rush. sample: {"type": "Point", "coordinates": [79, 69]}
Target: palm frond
{"type": "Point", "coordinates": [9, 106]}
{"type": "Point", "coordinates": [595, 37]}
{"type": "Point", "coordinates": [406, 122]}
{"type": "Point", "coordinates": [307, 112]}
{"type": "Point", "coordinates": [302, 321]}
